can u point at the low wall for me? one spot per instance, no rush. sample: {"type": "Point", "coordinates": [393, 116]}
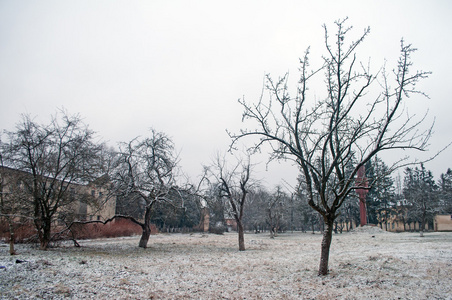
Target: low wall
{"type": "Point", "coordinates": [443, 223]}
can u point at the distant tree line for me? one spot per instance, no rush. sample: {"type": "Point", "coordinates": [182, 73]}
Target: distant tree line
{"type": "Point", "coordinates": [417, 199]}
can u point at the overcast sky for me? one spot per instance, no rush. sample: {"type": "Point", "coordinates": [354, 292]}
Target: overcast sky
{"type": "Point", "coordinates": [180, 66]}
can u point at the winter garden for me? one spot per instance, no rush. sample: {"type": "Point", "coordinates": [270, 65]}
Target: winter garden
{"type": "Point", "coordinates": [61, 188]}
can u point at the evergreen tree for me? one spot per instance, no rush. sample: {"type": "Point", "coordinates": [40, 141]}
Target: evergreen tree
{"type": "Point", "coordinates": [420, 191]}
{"type": "Point", "coordinates": [381, 196]}
{"type": "Point", "coordinates": [445, 195]}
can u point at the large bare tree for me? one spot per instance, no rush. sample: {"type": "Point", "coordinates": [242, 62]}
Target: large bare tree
{"type": "Point", "coordinates": [145, 174]}
{"type": "Point", "coordinates": [360, 116]}
{"type": "Point", "coordinates": [50, 159]}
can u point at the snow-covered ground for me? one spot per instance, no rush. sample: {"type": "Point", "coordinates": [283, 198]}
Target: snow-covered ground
{"type": "Point", "coordinates": [366, 263]}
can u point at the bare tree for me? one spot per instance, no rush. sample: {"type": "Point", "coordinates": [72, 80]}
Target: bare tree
{"type": "Point", "coordinates": [51, 159]}
{"type": "Point", "coordinates": [234, 185]}
{"type": "Point", "coordinates": [256, 212]}
{"type": "Point", "coordinates": [217, 209]}
{"type": "Point", "coordinates": [276, 211]}
{"type": "Point", "coordinates": [354, 120]}
{"type": "Point", "coordinates": [143, 175]}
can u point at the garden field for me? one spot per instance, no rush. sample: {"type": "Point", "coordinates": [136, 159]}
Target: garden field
{"type": "Point", "coordinates": [366, 263]}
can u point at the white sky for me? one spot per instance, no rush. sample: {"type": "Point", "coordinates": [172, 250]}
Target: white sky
{"type": "Point", "coordinates": [180, 66]}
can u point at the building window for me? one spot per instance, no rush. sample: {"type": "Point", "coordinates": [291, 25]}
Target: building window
{"type": "Point", "coordinates": [98, 218]}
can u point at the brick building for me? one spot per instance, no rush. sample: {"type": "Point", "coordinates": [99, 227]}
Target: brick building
{"type": "Point", "coordinates": [83, 202]}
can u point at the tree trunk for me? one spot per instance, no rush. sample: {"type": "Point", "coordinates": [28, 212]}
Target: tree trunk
{"type": "Point", "coordinates": [11, 240]}
{"type": "Point", "coordinates": [146, 229]}
{"type": "Point", "coordinates": [241, 236]}
{"type": "Point", "coordinates": [422, 224]}
{"type": "Point", "coordinates": [421, 228]}
{"type": "Point", "coordinates": [326, 243]}
{"type": "Point", "coordinates": [145, 236]}
{"type": "Point", "coordinates": [44, 234]}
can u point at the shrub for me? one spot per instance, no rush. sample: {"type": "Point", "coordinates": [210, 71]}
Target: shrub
{"type": "Point", "coordinates": [218, 229]}
{"type": "Point", "coordinates": [116, 228]}
{"type": "Point", "coordinates": [22, 231]}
